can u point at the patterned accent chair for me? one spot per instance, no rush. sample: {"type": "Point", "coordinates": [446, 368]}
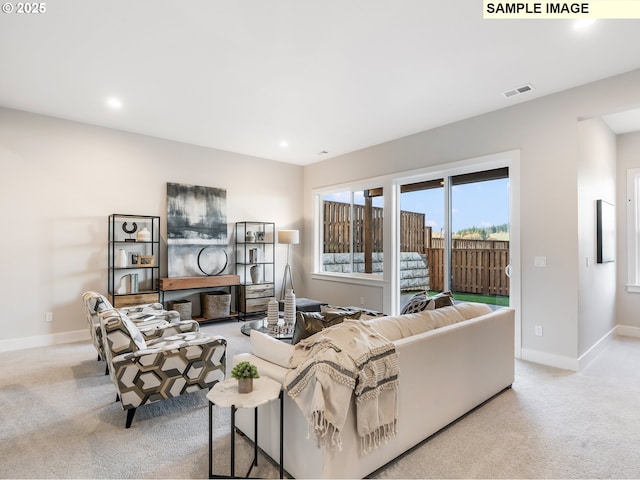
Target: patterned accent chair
{"type": "Point", "coordinates": [180, 359]}
{"type": "Point", "coordinates": [147, 317]}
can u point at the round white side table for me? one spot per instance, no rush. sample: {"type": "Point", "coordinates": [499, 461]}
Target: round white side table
{"type": "Point", "coordinates": [225, 394]}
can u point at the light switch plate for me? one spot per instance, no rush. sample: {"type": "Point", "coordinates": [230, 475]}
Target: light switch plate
{"type": "Point", "coordinates": [539, 261]}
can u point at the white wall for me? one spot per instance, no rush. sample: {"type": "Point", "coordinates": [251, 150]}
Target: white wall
{"type": "Point", "coordinates": [596, 180]}
{"type": "Point", "coordinates": [60, 181]}
{"type": "Point", "coordinates": [628, 157]}
{"type": "Point", "coordinates": [546, 134]}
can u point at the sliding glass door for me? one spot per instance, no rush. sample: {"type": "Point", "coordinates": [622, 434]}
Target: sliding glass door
{"type": "Point", "coordinates": [479, 251]}
{"type": "Point", "coordinates": [457, 227]}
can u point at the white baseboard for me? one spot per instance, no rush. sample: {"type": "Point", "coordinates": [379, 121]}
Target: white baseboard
{"type": "Point", "coordinates": [627, 331]}
{"type": "Point", "coordinates": [43, 340]}
{"type": "Point", "coordinates": [550, 359]}
{"type": "Point", "coordinates": [600, 345]}
{"type": "Point", "coordinates": [576, 365]}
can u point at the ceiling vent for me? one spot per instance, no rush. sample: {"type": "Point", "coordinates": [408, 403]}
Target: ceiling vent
{"type": "Point", "coordinates": [518, 91]}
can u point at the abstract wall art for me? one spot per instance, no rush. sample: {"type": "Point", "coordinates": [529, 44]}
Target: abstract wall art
{"type": "Point", "coordinates": [196, 230]}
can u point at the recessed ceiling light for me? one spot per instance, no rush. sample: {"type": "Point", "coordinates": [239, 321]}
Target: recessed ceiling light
{"type": "Point", "coordinates": [284, 144]}
{"type": "Point", "coordinates": [584, 23]}
{"type": "Point", "coordinates": [114, 103]}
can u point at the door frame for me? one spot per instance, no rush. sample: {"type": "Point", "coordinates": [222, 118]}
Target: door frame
{"type": "Point", "coordinates": [510, 159]}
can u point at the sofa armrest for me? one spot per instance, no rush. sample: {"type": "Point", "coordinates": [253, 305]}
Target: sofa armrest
{"type": "Point", "coordinates": [265, 368]}
{"type": "Point", "coordinates": [168, 371]}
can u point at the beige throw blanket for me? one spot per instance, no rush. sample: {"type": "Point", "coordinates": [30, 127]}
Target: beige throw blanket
{"type": "Point", "coordinates": [330, 366]}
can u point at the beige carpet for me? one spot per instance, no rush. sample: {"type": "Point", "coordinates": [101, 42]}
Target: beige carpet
{"type": "Point", "coordinates": [59, 420]}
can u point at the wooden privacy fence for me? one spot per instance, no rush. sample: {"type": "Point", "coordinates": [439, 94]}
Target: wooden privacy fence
{"type": "Point", "coordinates": [472, 270]}
{"type": "Point", "coordinates": [337, 228]}
{"type": "Point", "coordinates": [477, 266]}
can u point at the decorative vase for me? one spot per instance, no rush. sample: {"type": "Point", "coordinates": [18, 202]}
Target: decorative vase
{"type": "Point", "coordinates": [245, 385]}
{"type": "Point", "coordinates": [250, 237]}
{"type": "Point", "coordinates": [272, 312]}
{"type": "Point", "coordinates": [256, 273]}
{"type": "Point", "coordinates": [289, 307]}
{"type": "Point", "coordinates": [124, 284]}
{"type": "Point", "coordinates": [128, 283]}
{"type": "Point", "coordinates": [144, 235]}
{"type": "Point", "coordinates": [133, 284]}
{"type": "Point", "coordinates": [121, 258]}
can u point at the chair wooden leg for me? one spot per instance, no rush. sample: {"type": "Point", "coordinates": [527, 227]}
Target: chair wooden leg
{"type": "Point", "coordinates": [130, 413]}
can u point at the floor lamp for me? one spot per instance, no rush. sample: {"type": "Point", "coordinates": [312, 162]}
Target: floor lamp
{"type": "Point", "coordinates": [288, 237]}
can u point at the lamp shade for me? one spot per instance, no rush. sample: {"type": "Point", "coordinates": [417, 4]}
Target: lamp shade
{"type": "Point", "coordinates": [289, 236]}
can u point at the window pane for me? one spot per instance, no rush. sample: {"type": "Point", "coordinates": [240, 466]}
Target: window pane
{"type": "Point", "coordinates": [480, 237]}
{"type": "Point", "coordinates": [352, 231]}
{"type": "Point", "coordinates": [422, 224]}
{"type": "Point", "coordinates": [336, 248]}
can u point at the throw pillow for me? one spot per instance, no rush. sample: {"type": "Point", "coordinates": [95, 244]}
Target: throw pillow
{"type": "Point", "coordinates": [365, 314]}
{"type": "Point", "coordinates": [443, 299]}
{"type": "Point", "coordinates": [308, 323]}
{"type": "Point", "coordinates": [417, 303]}
{"type": "Point", "coordinates": [271, 349]}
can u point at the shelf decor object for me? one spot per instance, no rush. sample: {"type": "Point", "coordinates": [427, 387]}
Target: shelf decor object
{"type": "Point", "coordinates": [130, 230]}
{"type": "Point", "coordinates": [272, 312]}
{"type": "Point", "coordinates": [287, 237]}
{"type": "Point", "coordinates": [289, 307]}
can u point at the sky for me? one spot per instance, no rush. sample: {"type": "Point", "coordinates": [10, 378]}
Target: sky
{"type": "Point", "coordinates": [479, 204]}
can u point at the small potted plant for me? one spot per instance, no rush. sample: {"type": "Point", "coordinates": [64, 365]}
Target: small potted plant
{"type": "Point", "coordinates": [245, 372]}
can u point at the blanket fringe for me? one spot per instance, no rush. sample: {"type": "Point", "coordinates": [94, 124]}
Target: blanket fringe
{"type": "Point", "coordinates": [374, 439]}
{"type": "Point", "coordinates": [325, 432]}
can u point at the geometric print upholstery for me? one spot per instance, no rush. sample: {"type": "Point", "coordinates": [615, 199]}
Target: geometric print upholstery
{"type": "Point", "coordinates": [181, 361]}
{"type": "Point", "coordinates": [133, 331]}
{"type": "Point", "coordinates": [147, 316]}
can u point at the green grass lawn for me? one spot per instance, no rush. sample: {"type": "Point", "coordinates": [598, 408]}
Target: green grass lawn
{"type": "Point", "coordinates": [465, 297]}
{"type": "Point", "coordinates": [476, 297]}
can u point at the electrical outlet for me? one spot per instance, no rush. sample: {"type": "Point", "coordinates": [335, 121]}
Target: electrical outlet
{"type": "Point", "coordinates": [538, 330]}
{"type": "Point", "coordinates": [48, 317]}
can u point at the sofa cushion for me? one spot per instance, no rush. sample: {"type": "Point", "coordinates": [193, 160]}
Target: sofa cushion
{"type": "Point", "coordinates": [472, 310]}
{"type": "Point", "coordinates": [308, 323]}
{"type": "Point", "coordinates": [400, 326]}
{"type": "Point", "coordinates": [271, 349]}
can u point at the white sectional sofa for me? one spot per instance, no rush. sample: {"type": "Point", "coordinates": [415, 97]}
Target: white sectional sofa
{"type": "Point", "coordinates": [445, 371]}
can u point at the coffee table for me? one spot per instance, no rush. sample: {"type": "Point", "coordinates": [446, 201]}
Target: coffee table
{"type": "Point", "coordinates": [280, 331]}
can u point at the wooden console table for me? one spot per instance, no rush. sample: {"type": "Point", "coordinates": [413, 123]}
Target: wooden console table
{"type": "Point", "coordinates": [172, 284]}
